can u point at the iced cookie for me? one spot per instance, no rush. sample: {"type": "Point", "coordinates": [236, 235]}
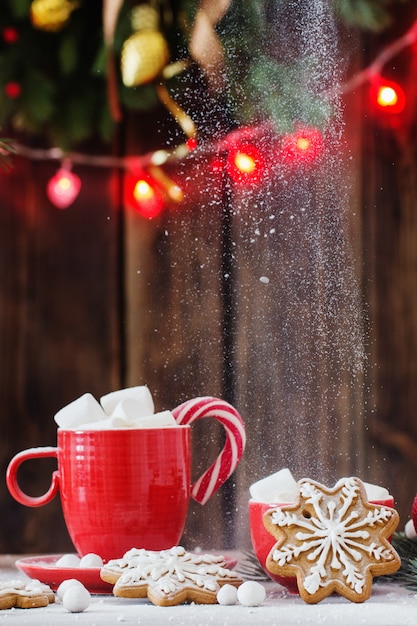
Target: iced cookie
{"type": "Point", "coordinates": [169, 577]}
{"type": "Point", "coordinates": [332, 540]}
{"type": "Point", "coordinates": [24, 595]}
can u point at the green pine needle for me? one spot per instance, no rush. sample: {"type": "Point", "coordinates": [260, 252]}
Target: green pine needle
{"type": "Point", "coordinates": [406, 576]}
{"type": "Point", "coordinates": [250, 568]}
{"type": "Point", "coordinates": [6, 149]}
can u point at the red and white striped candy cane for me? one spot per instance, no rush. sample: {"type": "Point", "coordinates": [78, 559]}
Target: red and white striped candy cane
{"type": "Point", "coordinates": [229, 457]}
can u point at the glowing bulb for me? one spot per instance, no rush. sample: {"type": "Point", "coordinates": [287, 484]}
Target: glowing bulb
{"type": "Point", "coordinates": [245, 163]}
{"type": "Point", "coordinates": [141, 194]}
{"type": "Point", "coordinates": [303, 143]}
{"type": "Point", "coordinates": [388, 96]}
{"type": "Point", "coordinates": [143, 191]}
{"type": "Point", "coordinates": [302, 146]}
{"type": "Point", "coordinates": [63, 188]}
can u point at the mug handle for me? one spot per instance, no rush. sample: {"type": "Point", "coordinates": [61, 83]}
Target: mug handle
{"type": "Point", "coordinates": [13, 484]}
{"type": "Point", "coordinates": [228, 459]}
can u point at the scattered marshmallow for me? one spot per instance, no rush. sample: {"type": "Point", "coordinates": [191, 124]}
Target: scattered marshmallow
{"type": "Point", "coordinates": [251, 593]}
{"type": "Point", "coordinates": [376, 492]}
{"type": "Point", "coordinates": [141, 395]}
{"type": "Point", "coordinates": [279, 487]}
{"type": "Point", "coordinates": [227, 595]}
{"type": "Point", "coordinates": [66, 584]}
{"type": "Point", "coordinates": [83, 409]}
{"type": "Point", "coordinates": [91, 560]}
{"type": "Point", "coordinates": [68, 560]}
{"type": "Point", "coordinates": [410, 531]}
{"type": "Point", "coordinates": [76, 599]}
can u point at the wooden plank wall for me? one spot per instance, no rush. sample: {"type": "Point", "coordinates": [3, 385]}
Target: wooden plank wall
{"type": "Point", "coordinates": [59, 327]}
{"type": "Point", "coordinates": [390, 275]}
{"type": "Point", "coordinates": [94, 298]}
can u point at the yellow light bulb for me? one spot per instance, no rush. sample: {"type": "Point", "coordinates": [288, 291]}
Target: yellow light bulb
{"type": "Point", "coordinates": [303, 143]}
{"type": "Point", "coordinates": [387, 96]}
{"type": "Point", "coordinates": [64, 183]}
{"type": "Point", "coordinates": [143, 191]}
{"type": "Point", "coordinates": [245, 163]}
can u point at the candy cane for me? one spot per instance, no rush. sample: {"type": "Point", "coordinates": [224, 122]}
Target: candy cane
{"type": "Point", "coordinates": [229, 457]}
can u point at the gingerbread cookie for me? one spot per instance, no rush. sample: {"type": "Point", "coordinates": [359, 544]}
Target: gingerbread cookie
{"type": "Point", "coordinates": [169, 577]}
{"type": "Point", "coordinates": [24, 595]}
{"type": "Point", "coordinates": [332, 540]}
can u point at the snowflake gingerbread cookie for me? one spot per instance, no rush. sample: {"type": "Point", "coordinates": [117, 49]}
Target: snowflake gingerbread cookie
{"type": "Point", "coordinates": [169, 577]}
{"type": "Point", "coordinates": [25, 594]}
{"type": "Point", "coordinates": [332, 540]}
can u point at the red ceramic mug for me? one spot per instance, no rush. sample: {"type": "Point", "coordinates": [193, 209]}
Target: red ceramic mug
{"type": "Point", "coordinates": [126, 488]}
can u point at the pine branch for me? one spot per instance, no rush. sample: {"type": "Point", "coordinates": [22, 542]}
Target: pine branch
{"type": "Point", "coordinates": [250, 568]}
{"type": "Point", "coordinates": [407, 550]}
{"type": "Point", "coordinates": [6, 149]}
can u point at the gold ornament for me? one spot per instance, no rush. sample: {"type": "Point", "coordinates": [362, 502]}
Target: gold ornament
{"type": "Point", "coordinates": [51, 15]}
{"type": "Point", "coordinates": [145, 53]}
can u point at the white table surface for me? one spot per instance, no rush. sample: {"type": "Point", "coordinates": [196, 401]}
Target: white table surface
{"type": "Point", "coordinates": [389, 605]}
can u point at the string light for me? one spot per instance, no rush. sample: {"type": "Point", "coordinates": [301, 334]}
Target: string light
{"type": "Point", "coordinates": [63, 188]}
{"type": "Point", "coordinates": [244, 161]}
{"type": "Point", "coordinates": [302, 146]}
{"type": "Point", "coordinates": [388, 96]}
{"type": "Point", "coordinates": [141, 194]}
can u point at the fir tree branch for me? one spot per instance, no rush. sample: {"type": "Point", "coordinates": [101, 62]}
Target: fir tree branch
{"type": "Point", "coordinates": [6, 149]}
{"type": "Point", "coordinates": [406, 576]}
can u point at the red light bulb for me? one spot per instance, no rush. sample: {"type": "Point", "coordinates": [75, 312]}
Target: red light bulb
{"type": "Point", "coordinates": [63, 188]}
{"type": "Point", "coordinates": [142, 195]}
{"type": "Point", "coordinates": [302, 146]}
{"type": "Point", "coordinates": [388, 96]}
{"type": "Point", "coordinates": [245, 163]}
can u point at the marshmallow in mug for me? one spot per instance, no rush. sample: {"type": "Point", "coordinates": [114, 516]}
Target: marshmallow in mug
{"type": "Point", "coordinates": [282, 487]}
{"type": "Point", "coordinates": [126, 408]}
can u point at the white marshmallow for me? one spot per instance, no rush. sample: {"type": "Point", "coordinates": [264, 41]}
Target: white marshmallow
{"type": "Point", "coordinates": [91, 560]}
{"type": "Point", "coordinates": [277, 488]}
{"type": "Point", "coordinates": [106, 424]}
{"type": "Point", "coordinates": [140, 394]}
{"type": "Point", "coordinates": [76, 599]}
{"type": "Point", "coordinates": [410, 531]}
{"type": "Point", "coordinates": [84, 409]}
{"type": "Point", "coordinates": [375, 492]}
{"type": "Point", "coordinates": [251, 593]}
{"type": "Point", "coordinates": [68, 560]}
{"type": "Point", "coordinates": [227, 595]}
{"type": "Point", "coordinates": [66, 584]}
{"type": "Point", "coordinates": [158, 420]}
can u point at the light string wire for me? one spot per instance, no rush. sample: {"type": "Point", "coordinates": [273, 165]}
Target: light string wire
{"type": "Point", "coordinates": [161, 156]}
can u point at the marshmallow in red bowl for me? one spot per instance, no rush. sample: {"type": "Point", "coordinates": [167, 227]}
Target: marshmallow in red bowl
{"type": "Point", "coordinates": [132, 407]}
{"type": "Point", "coordinates": [278, 490]}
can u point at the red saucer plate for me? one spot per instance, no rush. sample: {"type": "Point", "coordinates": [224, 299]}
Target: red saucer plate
{"type": "Point", "coordinates": [43, 568]}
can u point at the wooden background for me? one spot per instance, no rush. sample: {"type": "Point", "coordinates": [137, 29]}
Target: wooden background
{"type": "Point", "coordinates": [95, 298]}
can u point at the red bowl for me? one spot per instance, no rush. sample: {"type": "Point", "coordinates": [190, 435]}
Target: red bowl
{"type": "Point", "coordinates": [263, 541]}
